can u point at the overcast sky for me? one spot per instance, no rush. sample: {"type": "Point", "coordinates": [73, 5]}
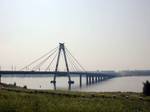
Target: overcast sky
{"type": "Point", "coordinates": [101, 34]}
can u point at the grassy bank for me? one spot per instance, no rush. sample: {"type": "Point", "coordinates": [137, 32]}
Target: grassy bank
{"type": "Point", "coordinates": [13, 100]}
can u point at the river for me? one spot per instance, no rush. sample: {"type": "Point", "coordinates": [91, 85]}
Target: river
{"type": "Point", "coordinates": [122, 84]}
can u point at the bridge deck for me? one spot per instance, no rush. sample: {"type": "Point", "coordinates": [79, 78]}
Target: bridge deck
{"type": "Point", "coordinates": [53, 72]}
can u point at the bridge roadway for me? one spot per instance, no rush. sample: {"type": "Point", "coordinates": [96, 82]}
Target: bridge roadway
{"type": "Point", "coordinates": [59, 73]}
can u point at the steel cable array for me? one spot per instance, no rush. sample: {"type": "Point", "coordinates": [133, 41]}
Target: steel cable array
{"type": "Point", "coordinates": [50, 58]}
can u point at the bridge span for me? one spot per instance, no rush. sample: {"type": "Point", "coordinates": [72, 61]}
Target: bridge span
{"type": "Point", "coordinates": [91, 77]}
{"type": "Point", "coordinates": [77, 69]}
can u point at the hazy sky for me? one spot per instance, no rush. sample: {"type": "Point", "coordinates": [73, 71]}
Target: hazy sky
{"type": "Point", "coordinates": [101, 34]}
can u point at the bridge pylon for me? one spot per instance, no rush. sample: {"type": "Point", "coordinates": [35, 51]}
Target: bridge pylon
{"type": "Point", "coordinates": [62, 49]}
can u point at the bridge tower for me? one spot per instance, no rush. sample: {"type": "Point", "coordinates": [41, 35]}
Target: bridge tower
{"type": "Point", "coordinates": [62, 49]}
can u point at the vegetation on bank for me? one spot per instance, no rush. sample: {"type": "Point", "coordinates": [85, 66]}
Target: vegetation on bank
{"type": "Point", "coordinates": [23, 100]}
{"type": "Point", "coordinates": [146, 88]}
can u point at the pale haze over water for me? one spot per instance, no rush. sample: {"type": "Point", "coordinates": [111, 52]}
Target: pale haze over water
{"type": "Point", "coordinates": [101, 34]}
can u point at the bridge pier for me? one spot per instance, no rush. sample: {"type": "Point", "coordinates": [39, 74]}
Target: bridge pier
{"type": "Point", "coordinates": [87, 79]}
{"type": "Point", "coordinates": [54, 86]}
{"type": "Point", "coordinates": [90, 79]}
{"type": "Point", "coordinates": [80, 80]}
{"type": "Point", "coordinates": [96, 78]}
{"type": "Point", "coordinates": [69, 88]}
{"type": "Point", "coordinates": [0, 78]}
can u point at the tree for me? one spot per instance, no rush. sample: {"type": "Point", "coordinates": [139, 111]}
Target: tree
{"type": "Point", "coordinates": [146, 88]}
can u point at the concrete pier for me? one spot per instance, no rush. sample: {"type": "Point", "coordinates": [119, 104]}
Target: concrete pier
{"type": "Point", "coordinates": [94, 78]}
{"type": "Point", "coordinates": [87, 79]}
{"type": "Point", "coordinates": [80, 80]}
{"type": "Point", "coordinates": [90, 81]}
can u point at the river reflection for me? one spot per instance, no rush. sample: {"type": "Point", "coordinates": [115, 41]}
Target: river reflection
{"type": "Point", "coordinates": [123, 84]}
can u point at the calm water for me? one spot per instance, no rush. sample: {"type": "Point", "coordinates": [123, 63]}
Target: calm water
{"type": "Point", "coordinates": [123, 84]}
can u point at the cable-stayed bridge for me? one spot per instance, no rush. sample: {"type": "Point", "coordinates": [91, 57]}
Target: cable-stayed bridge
{"type": "Point", "coordinates": [50, 62]}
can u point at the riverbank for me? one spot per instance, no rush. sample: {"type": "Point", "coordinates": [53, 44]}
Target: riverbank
{"type": "Point", "coordinates": [24, 100]}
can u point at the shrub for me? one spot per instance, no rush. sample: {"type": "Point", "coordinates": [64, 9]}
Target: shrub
{"type": "Point", "coordinates": [146, 88]}
{"type": "Point", "coordinates": [25, 87]}
{"type": "Point", "coordinates": [14, 83]}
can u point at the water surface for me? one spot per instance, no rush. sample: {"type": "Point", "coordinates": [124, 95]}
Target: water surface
{"type": "Point", "coordinates": [123, 84]}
